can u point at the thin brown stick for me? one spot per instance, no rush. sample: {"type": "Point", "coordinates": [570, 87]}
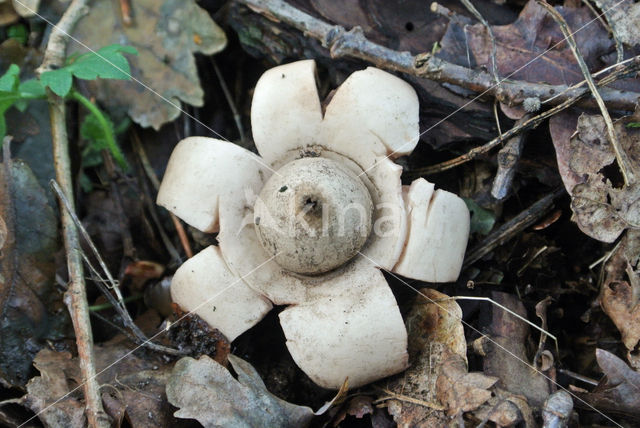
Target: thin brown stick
{"type": "Point", "coordinates": [508, 158]}
{"type": "Point", "coordinates": [125, 12]}
{"type": "Point", "coordinates": [533, 122]}
{"type": "Point", "coordinates": [105, 285]}
{"type": "Point", "coordinates": [494, 67]}
{"type": "Point", "coordinates": [400, 397]}
{"type": "Point", "coordinates": [353, 43]}
{"type": "Point", "coordinates": [512, 228]}
{"type": "Point", "coordinates": [621, 157]}
{"type": "Point", "coordinates": [75, 298]}
{"type": "Point", "coordinates": [149, 202]}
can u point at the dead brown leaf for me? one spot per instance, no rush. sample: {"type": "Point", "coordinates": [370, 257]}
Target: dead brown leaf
{"type": "Point", "coordinates": [506, 354]}
{"type": "Point", "coordinates": [166, 33]}
{"type": "Point", "coordinates": [132, 383]}
{"type": "Point", "coordinates": [621, 289]}
{"type": "Point", "coordinates": [603, 207]}
{"type": "Point", "coordinates": [58, 376]}
{"type": "Point", "coordinates": [31, 309]}
{"type": "Point", "coordinates": [499, 410]}
{"type": "Point", "coordinates": [460, 390]}
{"type": "Point", "coordinates": [519, 43]}
{"type": "Point", "coordinates": [205, 390]}
{"type": "Point", "coordinates": [435, 332]}
{"type": "Point", "coordinates": [619, 390]}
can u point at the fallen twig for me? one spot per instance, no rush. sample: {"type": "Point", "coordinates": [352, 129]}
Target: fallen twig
{"type": "Point", "coordinates": [621, 157]}
{"type": "Point", "coordinates": [533, 122]}
{"type": "Point", "coordinates": [393, 396]}
{"type": "Point", "coordinates": [508, 158]}
{"type": "Point", "coordinates": [512, 228]}
{"type": "Point", "coordinates": [76, 295]}
{"type": "Point", "coordinates": [353, 43]}
{"type": "Point", "coordinates": [109, 283]}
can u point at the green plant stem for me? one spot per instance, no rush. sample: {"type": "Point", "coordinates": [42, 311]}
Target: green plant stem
{"type": "Point", "coordinates": [108, 305]}
{"type": "Point", "coordinates": [112, 146]}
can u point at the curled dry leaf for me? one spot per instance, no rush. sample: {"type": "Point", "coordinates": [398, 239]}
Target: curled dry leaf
{"type": "Point", "coordinates": [506, 409]}
{"type": "Point", "coordinates": [602, 207]}
{"type": "Point", "coordinates": [59, 374]}
{"type": "Point", "coordinates": [204, 390]}
{"type": "Point", "coordinates": [617, 392]}
{"type": "Point", "coordinates": [167, 34]}
{"type": "Point", "coordinates": [621, 289]}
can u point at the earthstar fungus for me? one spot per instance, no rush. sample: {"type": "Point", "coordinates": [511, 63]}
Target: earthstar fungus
{"type": "Point", "coordinates": [311, 222]}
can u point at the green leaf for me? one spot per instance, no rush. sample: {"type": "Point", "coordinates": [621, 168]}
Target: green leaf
{"type": "Point", "coordinates": [32, 88]}
{"type": "Point", "coordinates": [9, 80]}
{"type": "Point", "coordinates": [633, 125]}
{"type": "Point", "coordinates": [18, 32]}
{"type": "Point", "coordinates": [92, 131]}
{"type": "Point", "coordinates": [58, 80]}
{"type": "Point", "coordinates": [107, 63]}
{"type": "Point", "coordinates": [482, 220]}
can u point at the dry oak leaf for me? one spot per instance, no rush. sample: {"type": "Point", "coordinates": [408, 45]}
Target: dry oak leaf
{"type": "Point", "coordinates": [204, 390]}
{"type": "Point", "coordinates": [619, 391]}
{"type": "Point", "coordinates": [166, 34]}
{"type": "Point", "coordinates": [624, 18]}
{"type": "Point", "coordinates": [621, 289]}
{"type": "Point", "coordinates": [460, 390]}
{"type": "Point", "coordinates": [524, 40]}
{"type": "Point", "coordinates": [601, 209]}
{"type": "Point", "coordinates": [133, 387]}
{"type": "Point", "coordinates": [58, 376]}
{"type": "Point", "coordinates": [435, 331]}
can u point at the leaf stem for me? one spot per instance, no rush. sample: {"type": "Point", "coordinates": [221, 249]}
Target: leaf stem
{"type": "Point", "coordinates": [108, 305]}
{"type": "Point", "coordinates": [110, 140]}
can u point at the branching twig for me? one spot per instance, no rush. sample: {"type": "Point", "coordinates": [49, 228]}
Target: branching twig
{"type": "Point", "coordinates": [119, 303]}
{"type": "Point", "coordinates": [627, 173]}
{"type": "Point", "coordinates": [353, 43]}
{"type": "Point", "coordinates": [533, 122]}
{"type": "Point", "coordinates": [76, 295]}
